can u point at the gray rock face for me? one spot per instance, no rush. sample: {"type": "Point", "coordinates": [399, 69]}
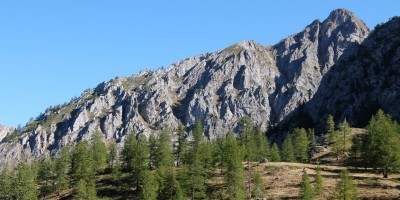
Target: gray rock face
{"type": "Point", "coordinates": [266, 83]}
{"type": "Point", "coordinates": [367, 80]}
{"type": "Point", "coordinates": [4, 131]}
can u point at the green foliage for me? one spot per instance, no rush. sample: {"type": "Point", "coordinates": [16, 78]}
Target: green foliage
{"type": "Point", "coordinates": [345, 188]}
{"type": "Point", "coordinates": [380, 145]}
{"type": "Point", "coordinates": [301, 144]}
{"type": "Point", "coordinates": [86, 189]}
{"type": "Point", "coordinates": [234, 175]}
{"type": "Point", "coordinates": [163, 151]}
{"type": "Point", "coordinates": [258, 189]}
{"type": "Point", "coordinates": [99, 150]}
{"type": "Point", "coordinates": [46, 172]}
{"type": "Point", "coordinates": [181, 149]}
{"type": "Point", "coordinates": [148, 187]}
{"type": "Point", "coordinates": [62, 165]}
{"type": "Point", "coordinates": [275, 154]}
{"type": "Point", "coordinates": [136, 157]}
{"type": "Point", "coordinates": [330, 128]}
{"type": "Point", "coordinates": [247, 139]}
{"type": "Point", "coordinates": [306, 191]}
{"type": "Point", "coordinates": [355, 150]}
{"type": "Point", "coordinates": [153, 151]}
{"type": "Point", "coordinates": [262, 144]}
{"type": "Point", "coordinates": [112, 154]}
{"type": "Point", "coordinates": [287, 153]}
{"type": "Point", "coordinates": [24, 183]}
{"type": "Point", "coordinates": [319, 183]}
{"type": "Point", "coordinates": [6, 189]}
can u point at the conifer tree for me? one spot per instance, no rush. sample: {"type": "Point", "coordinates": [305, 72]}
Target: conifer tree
{"type": "Point", "coordinates": [381, 143]}
{"type": "Point", "coordinates": [152, 151]}
{"type": "Point", "coordinates": [301, 144]}
{"type": "Point", "coordinates": [148, 186]}
{"type": "Point", "coordinates": [262, 144]}
{"type": "Point", "coordinates": [112, 154]}
{"type": "Point", "coordinates": [306, 191]}
{"type": "Point", "coordinates": [46, 172]}
{"type": "Point", "coordinates": [345, 138]}
{"type": "Point", "coordinates": [275, 154]}
{"type": "Point", "coordinates": [181, 149]}
{"type": "Point", "coordinates": [330, 128]}
{"type": "Point", "coordinates": [319, 184]}
{"type": "Point", "coordinates": [355, 150]}
{"type": "Point", "coordinates": [62, 165]}
{"type": "Point", "coordinates": [247, 140]}
{"type": "Point", "coordinates": [99, 150]}
{"type": "Point", "coordinates": [164, 156]}
{"type": "Point", "coordinates": [345, 188]}
{"type": "Point", "coordinates": [234, 175]}
{"type": "Point", "coordinates": [258, 190]}
{"type": "Point", "coordinates": [24, 183]}
{"type": "Point", "coordinates": [6, 189]}
{"type": "Point", "coordinates": [287, 153]}
{"type": "Point", "coordinates": [312, 143]}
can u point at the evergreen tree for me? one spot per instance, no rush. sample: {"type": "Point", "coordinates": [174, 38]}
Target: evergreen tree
{"type": "Point", "coordinates": [6, 189]}
{"type": "Point", "coordinates": [319, 184]}
{"type": "Point", "coordinates": [301, 144]}
{"type": "Point", "coordinates": [170, 188]}
{"type": "Point", "coordinates": [46, 172]}
{"type": "Point", "coordinates": [112, 154]}
{"type": "Point", "coordinates": [152, 151]}
{"type": "Point", "coordinates": [330, 128]}
{"type": "Point", "coordinates": [82, 171]}
{"type": "Point", "coordinates": [247, 139]}
{"type": "Point", "coordinates": [136, 157]}
{"type": "Point", "coordinates": [381, 143]}
{"type": "Point", "coordinates": [148, 186]}
{"type": "Point", "coordinates": [262, 144]}
{"type": "Point", "coordinates": [355, 150]}
{"type": "Point", "coordinates": [62, 165]}
{"type": "Point", "coordinates": [217, 152]}
{"type": "Point", "coordinates": [182, 145]}
{"type": "Point", "coordinates": [306, 191]}
{"type": "Point", "coordinates": [163, 155]}
{"type": "Point", "coordinates": [313, 143]}
{"type": "Point", "coordinates": [234, 175]}
{"type": "Point", "coordinates": [287, 153]}
{"type": "Point", "coordinates": [275, 154]}
{"type": "Point", "coordinates": [99, 150]}
{"type": "Point", "coordinates": [258, 190]}
{"type": "Point", "coordinates": [24, 183]}
{"type": "Point", "coordinates": [345, 188]}
{"type": "Point", "coordinates": [345, 138]}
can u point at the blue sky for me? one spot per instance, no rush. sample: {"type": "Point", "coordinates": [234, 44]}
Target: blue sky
{"type": "Point", "coordinates": [50, 51]}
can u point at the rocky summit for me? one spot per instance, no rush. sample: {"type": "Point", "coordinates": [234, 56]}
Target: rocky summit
{"type": "Point", "coordinates": [269, 84]}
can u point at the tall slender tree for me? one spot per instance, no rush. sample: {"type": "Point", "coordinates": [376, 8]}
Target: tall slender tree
{"type": "Point", "coordinates": [99, 151]}
{"type": "Point", "coordinates": [24, 183]}
{"type": "Point", "coordinates": [345, 188]}
{"type": "Point", "coordinates": [287, 153]}
{"type": "Point", "coordinates": [306, 191]}
{"type": "Point", "coordinates": [234, 175]}
{"type": "Point", "coordinates": [301, 144]}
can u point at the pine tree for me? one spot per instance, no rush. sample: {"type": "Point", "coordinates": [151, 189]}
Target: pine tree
{"type": "Point", "coordinates": [99, 150]}
{"type": "Point", "coordinates": [345, 138]}
{"type": "Point", "coordinates": [135, 156]}
{"type": "Point", "coordinates": [6, 189]}
{"type": "Point", "coordinates": [24, 183]}
{"type": "Point", "coordinates": [330, 128]}
{"type": "Point", "coordinates": [181, 149]}
{"type": "Point", "coordinates": [313, 143]}
{"type": "Point", "coordinates": [247, 140]}
{"type": "Point", "coordinates": [152, 151]}
{"type": "Point", "coordinates": [234, 175]}
{"type": "Point", "coordinates": [319, 184]}
{"type": "Point", "coordinates": [262, 144]}
{"type": "Point", "coordinates": [258, 190]}
{"type": "Point", "coordinates": [287, 153]}
{"type": "Point", "coordinates": [301, 144]}
{"type": "Point", "coordinates": [112, 154]}
{"type": "Point", "coordinates": [306, 191]}
{"type": "Point", "coordinates": [345, 188]}
{"type": "Point", "coordinates": [275, 154]}
{"type": "Point", "coordinates": [355, 150]}
{"type": "Point", "coordinates": [163, 155]}
{"type": "Point", "coordinates": [82, 171]}
{"type": "Point", "coordinates": [148, 187]}
{"type": "Point", "coordinates": [46, 172]}
{"type": "Point", "coordinates": [62, 165]}
{"type": "Point", "coordinates": [381, 143]}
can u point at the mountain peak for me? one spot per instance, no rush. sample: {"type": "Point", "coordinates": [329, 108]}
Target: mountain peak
{"type": "Point", "coordinates": [344, 16]}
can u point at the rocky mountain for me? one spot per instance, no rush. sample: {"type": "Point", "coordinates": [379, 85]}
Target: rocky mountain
{"type": "Point", "coordinates": [367, 80]}
{"type": "Point", "coordinates": [266, 83]}
{"type": "Point", "coordinates": [4, 131]}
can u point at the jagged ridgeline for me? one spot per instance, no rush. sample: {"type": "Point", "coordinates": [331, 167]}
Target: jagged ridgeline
{"type": "Point", "coordinates": [300, 80]}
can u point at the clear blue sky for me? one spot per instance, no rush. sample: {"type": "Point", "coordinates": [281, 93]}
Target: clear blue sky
{"type": "Point", "coordinates": [50, 51]}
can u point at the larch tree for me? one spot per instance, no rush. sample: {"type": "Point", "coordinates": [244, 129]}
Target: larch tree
{"type": "Point", "coordinates": [99, 150]}
{"type": "Point", "coordinates": [287, 153]}
{"type": "Point", "coordinates": [234, 174]}
{"type": "Point", "coordinates": [306, 191]}
{"type": "Point", "coordinates": [345, 188]}
{"type": "Point", "coordinates": [301, 144]}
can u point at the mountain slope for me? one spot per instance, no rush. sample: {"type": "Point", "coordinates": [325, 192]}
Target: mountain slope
{"type": "Point", "coordinates": [364, 82]}
{"type": "Point", "coordinates": [266, 83]}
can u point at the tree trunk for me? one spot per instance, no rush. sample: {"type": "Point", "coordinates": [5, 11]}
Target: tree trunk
{"type": "Point", "coordinates": [385, 172]}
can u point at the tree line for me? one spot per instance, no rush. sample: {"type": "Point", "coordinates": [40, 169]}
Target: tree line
{"type": "Point", "coordinates": [155, 168]}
